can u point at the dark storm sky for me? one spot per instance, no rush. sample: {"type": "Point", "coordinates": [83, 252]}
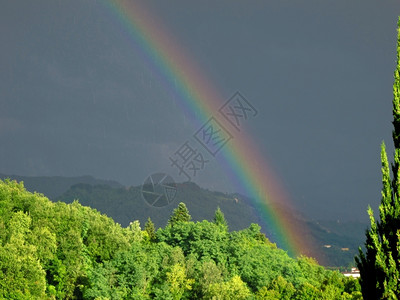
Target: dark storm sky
{"type": "Point", "coordinates": [77, 98]}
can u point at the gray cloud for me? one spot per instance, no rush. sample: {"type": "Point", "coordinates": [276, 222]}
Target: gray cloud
{"type": "Point", "coordinates": [76, 96]}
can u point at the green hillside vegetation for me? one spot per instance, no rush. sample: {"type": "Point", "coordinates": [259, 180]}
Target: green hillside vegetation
{"type": "Point", "coordinates": [126, 204]}
{"type": "Point", "coordinates": [68, 251]}
{"type": "Point", "coordinates": [123, 205]}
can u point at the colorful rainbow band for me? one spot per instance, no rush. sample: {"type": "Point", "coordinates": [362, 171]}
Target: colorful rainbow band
{"type": "Point", "coordinates": [243, 163]}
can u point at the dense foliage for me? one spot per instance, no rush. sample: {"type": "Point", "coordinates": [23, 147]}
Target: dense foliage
{"type": "Point", "coordinates": [69, 251]}
{"type": "Point", "coordinates": [125, 204]}
{"type": "Point", "coordinates": [380, 265]}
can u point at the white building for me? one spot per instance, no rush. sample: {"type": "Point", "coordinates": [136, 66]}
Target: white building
{"type": "Point", "coordinates": [355, 273]}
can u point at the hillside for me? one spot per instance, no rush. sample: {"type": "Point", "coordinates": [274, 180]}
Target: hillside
{"type": "Point", "coordinates": [336, 243]}
{"type": "Point", "coordinates": [54, 186]}
{"type": "Point", "coordinates": [68, 251]}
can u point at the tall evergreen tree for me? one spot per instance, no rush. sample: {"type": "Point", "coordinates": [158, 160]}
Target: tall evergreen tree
{"type": "Point", "coordinates": [180, 214]}
{"type": "Point", "coordinates": [380, 265]}
{"type": "Point", "coordinates": [150, 229]}
{"type": "Point", "coordinates": [219, 219]}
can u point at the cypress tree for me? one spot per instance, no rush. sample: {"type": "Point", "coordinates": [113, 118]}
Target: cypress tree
{"type": "Point", "coordinates": [380, 265]}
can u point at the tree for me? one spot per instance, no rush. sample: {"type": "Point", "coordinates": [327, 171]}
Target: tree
{"type": "Point", "coordinates": [21, 275]}
{"type": "Point", "coordinates": [136, 231]}
{"type": "Point", "coordinates": [177, 281]}
{"type": "Point", "coordinates": [180, 214]}
{"type": "Point", "coordinates": [220, 220]}
{"type": "Point", "coordinates": [380, 265]}
{"type": "Point", "coordinates": [150, 229]}
{"type": "Point", "coordinates": [279, 289]}
{"type": "Point", "coordinates": [232, 289]}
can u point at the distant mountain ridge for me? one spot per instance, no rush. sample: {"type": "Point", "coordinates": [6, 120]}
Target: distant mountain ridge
{"type": "Point", "coordinates": [55, 186]}
{"type": "Point", "coordinates": [337, 242]}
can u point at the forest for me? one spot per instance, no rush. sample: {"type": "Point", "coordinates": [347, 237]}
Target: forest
{"type": "Point", "coordinates": [54, 250]}
{"type": "Point", "coordinates": [124, 204]}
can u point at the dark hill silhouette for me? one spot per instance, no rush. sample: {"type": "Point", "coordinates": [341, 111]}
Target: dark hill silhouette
{"type": "Point", "coordinates": [54, 186]}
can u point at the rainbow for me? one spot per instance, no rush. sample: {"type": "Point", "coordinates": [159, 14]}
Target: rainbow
{"type": "Point", "coordinates": [199, 100]}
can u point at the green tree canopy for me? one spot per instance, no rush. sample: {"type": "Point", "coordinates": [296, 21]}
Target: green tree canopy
{"type": "Point", "coordinates": [180, 214]}
{"type": "Point", "coordinates": [150, 229]}
{"type": "Point", "coordinates": [69, 251]}
{"type": "Point", "coordinates": [220, 220]}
